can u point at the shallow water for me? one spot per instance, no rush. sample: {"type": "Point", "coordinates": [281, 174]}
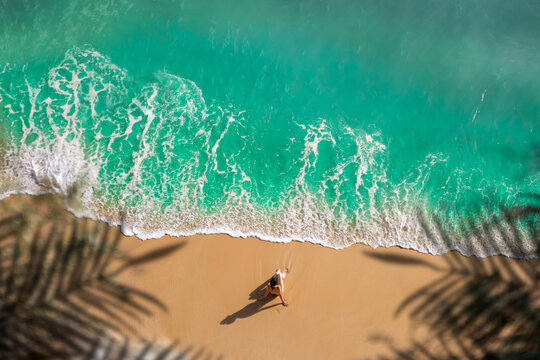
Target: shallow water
{"type": "Point", "coordinates": [333, 122]}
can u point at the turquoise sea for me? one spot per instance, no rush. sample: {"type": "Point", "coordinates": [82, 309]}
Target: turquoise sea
{"type": "Point", "coordinates": [329, 121]}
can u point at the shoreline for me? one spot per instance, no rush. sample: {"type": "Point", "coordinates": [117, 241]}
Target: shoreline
{"type": "Point", "coordinates": [498, 239]}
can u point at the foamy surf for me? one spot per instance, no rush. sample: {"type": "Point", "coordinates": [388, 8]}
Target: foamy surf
{"type": "Point", "coordinates": [158, 158]}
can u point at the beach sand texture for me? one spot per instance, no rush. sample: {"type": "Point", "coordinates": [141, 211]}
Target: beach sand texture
{"type": "Point", "coordinates": [356, 303]}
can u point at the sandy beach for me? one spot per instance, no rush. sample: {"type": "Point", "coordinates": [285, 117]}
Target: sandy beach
{"type": "Point", "coordinates": [403, 133]}
{"type": "Point", "coordinates": [342, 303]}
{"type": "Point", "coordinates": [356, 303]}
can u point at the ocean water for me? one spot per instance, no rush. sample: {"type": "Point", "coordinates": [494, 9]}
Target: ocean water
{"type": "Point", "coordinates": [335, 122]}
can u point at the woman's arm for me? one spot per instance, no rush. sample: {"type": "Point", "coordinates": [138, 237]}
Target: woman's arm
{"type": "Point", "coordinates": [283, 301]}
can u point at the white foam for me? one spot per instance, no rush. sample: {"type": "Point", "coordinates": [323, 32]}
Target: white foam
{"type": "Point", "coordinates": [62, 163]}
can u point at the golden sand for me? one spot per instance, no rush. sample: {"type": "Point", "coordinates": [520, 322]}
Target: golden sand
{"type": "Point", "coordinates": [353, 303]}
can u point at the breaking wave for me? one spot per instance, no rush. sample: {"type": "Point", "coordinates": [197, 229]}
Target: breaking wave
{"type": "Point", "coordinates": [158, 158]}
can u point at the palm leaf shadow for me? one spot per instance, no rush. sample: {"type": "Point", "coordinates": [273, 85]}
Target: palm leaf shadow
{"type": "Point", "coordinates": [481, 308]}
{"type": "Point", "coordinates": [59, 296]}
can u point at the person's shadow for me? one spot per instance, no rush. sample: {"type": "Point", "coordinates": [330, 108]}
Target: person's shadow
{"type": "Point", "coordinates": [253, 307]}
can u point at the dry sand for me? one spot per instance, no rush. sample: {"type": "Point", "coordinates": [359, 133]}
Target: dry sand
{"type": "Point", "coordinates": [343, 304]}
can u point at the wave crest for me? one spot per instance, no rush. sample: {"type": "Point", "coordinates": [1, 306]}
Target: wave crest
{"type": "Point", "coordinates": [160, 159]}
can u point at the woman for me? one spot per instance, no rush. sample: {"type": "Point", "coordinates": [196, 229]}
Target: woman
{"type": "Point", "coordinates": [276, 286]}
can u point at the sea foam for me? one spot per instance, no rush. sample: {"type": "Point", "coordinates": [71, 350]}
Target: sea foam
{"type": "Point", "coordinates": [157, 158]}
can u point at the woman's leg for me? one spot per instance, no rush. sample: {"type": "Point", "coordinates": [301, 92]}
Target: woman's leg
{"type": "Point", "coordinates": [281, 286]}
{"type": "Point", "coordinates": [280, 277]}
{"type": "Point", "coordinates": [266, 292]}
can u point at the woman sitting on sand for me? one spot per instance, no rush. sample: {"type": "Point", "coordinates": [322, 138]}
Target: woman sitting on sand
{"type": "Point", "coordinates": [276, 286]}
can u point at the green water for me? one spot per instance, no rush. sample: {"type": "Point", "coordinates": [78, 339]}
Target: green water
{"type": "Point", "coordinates": [333, 122]}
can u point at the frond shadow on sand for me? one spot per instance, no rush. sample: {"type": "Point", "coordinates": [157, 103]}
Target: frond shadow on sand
{"type": "Point", "coordinates": [60, 297]}
{"type": "Point", "coordinates": [480, 308]}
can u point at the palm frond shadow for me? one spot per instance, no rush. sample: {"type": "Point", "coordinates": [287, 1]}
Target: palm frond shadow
{"type": "Point", "coordinates": [481, 308]}
{"type": "Point", "coordinates": [60, 298]}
